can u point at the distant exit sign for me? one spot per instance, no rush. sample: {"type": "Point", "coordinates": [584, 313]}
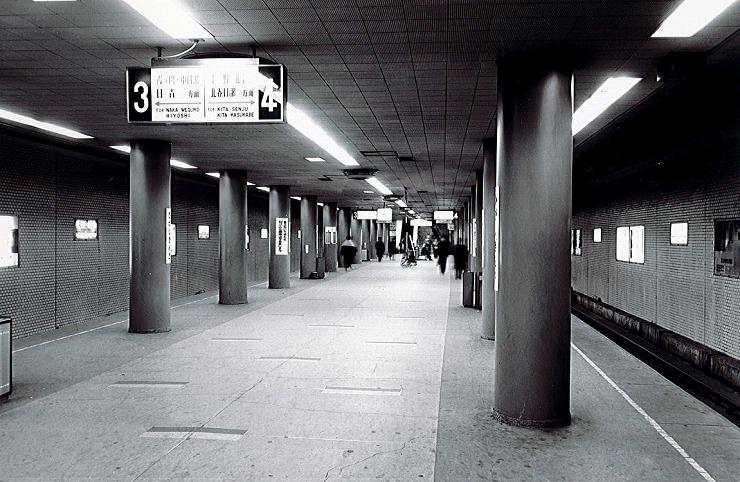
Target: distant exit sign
{"type": "Point", "coordinates": [201, 91]}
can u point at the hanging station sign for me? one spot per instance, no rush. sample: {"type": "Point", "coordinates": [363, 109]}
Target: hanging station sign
{"type": "Point", "coordinates": [362, 215]}
{"type": "Point", "coordinates": [385, 215]}
{"type": "Point", "coordinates": [202, 91]}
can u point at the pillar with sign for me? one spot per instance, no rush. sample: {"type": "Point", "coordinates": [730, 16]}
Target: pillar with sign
{"type": "Point", "coordinates": [308, 236]}
{"type": "Point", "coordinates": [532, 282]}
{"type": "Point", "coordinates": [366, 238]}
{"type": "Point", "coordinates": [344, 223]}
{"type": "Point", "coordinates": [232, 234]}
{"type": "Point", "coordinates": [372, 238]}
{"type": "Point", "coordinates": [488, 251]}
{"type": "Point", "coordinates": [330, 236]}
{"type": "Point", "coordinates": [356, 232]}
{"type": "Point", "coordinates": [279, 248]}
{"type": "Point", "coordinates": [152, 236]}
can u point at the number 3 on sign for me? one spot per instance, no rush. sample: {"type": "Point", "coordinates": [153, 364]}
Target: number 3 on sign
{"type": "Point", "coordinates": [268, 99]}
{"type": "Point", "coordinates": [144, 88]}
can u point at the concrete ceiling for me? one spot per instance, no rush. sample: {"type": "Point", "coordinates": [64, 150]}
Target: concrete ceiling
{"type": "Point", "coordinates": [416, 77]}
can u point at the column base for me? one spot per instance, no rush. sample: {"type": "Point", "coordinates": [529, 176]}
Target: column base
{"type": "Point", "coordinates": [231, 303]}
{"type": "Point", "coordinates": [148, 332]}
{"type": "Point", "coordinates": [519, 422]}
{"type": "Point", "coordinates": [488, 338]}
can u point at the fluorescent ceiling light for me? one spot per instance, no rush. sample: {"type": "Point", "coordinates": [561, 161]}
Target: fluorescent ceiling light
{"type": "Point", "coordinates": [170, 17]}
{"type": "Point", "coordinates": [690, 17]}
{"type": "Point", "coordinates": [411, 211]}
{"type": "Point", "coordinates": [250, 183]}
{"type": "Point", "coordinates": [401, 203]}
{"type": "Point", "coordinates": [180, 164]}
{"type": "Point", "coordinates": [263, 188]}
{"type": "Point", "coordinates": [315, 159]}
{"type": "Point", "coordinates": [46, 126]}
{"type": "Point", "coordinates": [369, 192]}
{"type": "Point", "coordinates": [213, 174]}
{"type": "Point", "coordinates": [320, 204]}
{"type": "Point", "coordinates": [173, 162]}
{"type": "Point", "coordinates": [375, 182]}
{"type": "Point", "coordinates": [306, 126]}
{"type": "Point", "coordinates": [609, 92]}
{"type": "Point", "coordinates": [297, 198]}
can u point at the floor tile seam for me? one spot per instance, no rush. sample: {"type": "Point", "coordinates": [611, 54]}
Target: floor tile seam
{"type": "Point", "coordinates": [132, 362]}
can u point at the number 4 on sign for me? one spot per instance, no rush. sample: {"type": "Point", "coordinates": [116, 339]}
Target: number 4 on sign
{"type": "Point", "coordinates": [268, 99]}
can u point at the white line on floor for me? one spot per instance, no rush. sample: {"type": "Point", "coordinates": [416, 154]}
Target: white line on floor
{"type": "Point", "coordinates": [647, 417]}
{"type": "Point", "coordinates": [111, 324]}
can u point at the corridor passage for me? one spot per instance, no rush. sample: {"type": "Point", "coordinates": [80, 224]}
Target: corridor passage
{"type": "Point", "coordinates": [372, 374]}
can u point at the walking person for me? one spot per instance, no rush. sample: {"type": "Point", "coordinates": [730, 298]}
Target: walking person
{"type": "Point", "coordinates": [443, 252]}
{"type": "Point", "coordinates": [348, 250]}
{"type": "Point", "coordinates": [392, 250]}
{"type": "Point", "coordinates": [379, 249]}
{"type": "Point", "coordinates": [460, 255]}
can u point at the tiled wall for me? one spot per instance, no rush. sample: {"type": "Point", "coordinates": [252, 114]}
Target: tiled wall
{"type": "Point", "coordinates": [61, 281]}
{"type": "Point", "coordinates": [676, 286]}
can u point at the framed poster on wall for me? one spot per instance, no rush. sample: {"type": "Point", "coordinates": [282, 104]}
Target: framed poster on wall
{"type": "Point", "coordinates": [8, 241]}
{"type": "Point", "coordinates": [727, 248]}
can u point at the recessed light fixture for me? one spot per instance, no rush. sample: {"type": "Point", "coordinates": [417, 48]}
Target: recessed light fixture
{"type": "Point", "coordinates": [608, 93]}
{"type": "Point", "coordinates": [213, 174]}
{"type": "Point", "coordinates": [263, 188]}
{"type": "Point", "coordinates": [401, 203]}
{"type": "Point", "coordinates": [170, 17]}
{"type": "Point", "coordinates": [320, 204]}
{"type": "Point", "coordinates": [122, 148]}
{"type": "Point", "coordinates": [375, 182]}
{"type": "Point", "coordinates": [306, 126]}
{"type": "Point", "coordinates": [369, 192]}
{"type": "Point", "coordinates": [46, 126]}
{"type": "Point", "coordinates": [315, 159]}
{"type": "Point", "coordinates": [250, 183]}
{"type": "Point", "coordinates": [297, 198]}
{"type": "Point", "coordinates": [411, 211]}
{"type": "Point", "coordinates": [690, 17]}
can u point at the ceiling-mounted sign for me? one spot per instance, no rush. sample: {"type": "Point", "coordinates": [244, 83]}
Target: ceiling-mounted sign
{"type": "Point", "coordinates": [444, 215]}
{"type": "Point", "coordinates": [362, 215]}
{"type": "Point", "coordinates": [385, 215]}
{"type": "Point", "coordinates": [201, 91]}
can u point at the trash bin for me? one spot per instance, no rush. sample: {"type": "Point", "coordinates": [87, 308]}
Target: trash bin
{"type": "Point", "coordinates": [468, 278]}
{"type": "Point", "coordinates": [320, 268]}
{"type": "Point", "coordinates": [6, 356]}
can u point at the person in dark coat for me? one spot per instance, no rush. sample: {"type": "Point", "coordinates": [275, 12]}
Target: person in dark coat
{"type": "Point", "coordinates": [348, 250]}
{"type": "Point", "coordinates": [380, 249]}
{"type": "Point", "coordinates": [392, 250]}
{"type": "Point", "coordinates": [460, 254]}
{"type": "Point", "coordinates": [443, 251]}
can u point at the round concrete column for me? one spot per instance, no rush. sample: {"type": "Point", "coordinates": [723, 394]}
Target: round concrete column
{"type": "Point", "coordinates": [150, 217]}
{"type": "Point", "coordinates": [232, 222]}
{"type": "Point", "coordinates": [330, 248]}
{"type": "Point", "coordinates": [356, 232]}
{"type": "Point", "coordinates": [344, 222]}
{"type": "Point", "coordinates": [479, 220]}
{"type": "Point", "coordinates": [372, 239]}
{"type": "Point", "coordinates": [279, 216]}
{"type": "Point", "coordinates": [488, 243]}
{"type": "Point", "coordinates": [308, 236]}
{"type": "Point", "coordinates": [533, 184]}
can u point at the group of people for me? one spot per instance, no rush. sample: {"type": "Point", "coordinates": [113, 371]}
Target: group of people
{"type": "Point", "coordinates": [459, 251]}
{"type": "Point", "coordinates": [348, 251]}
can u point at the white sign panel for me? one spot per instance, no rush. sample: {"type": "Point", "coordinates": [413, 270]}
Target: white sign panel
{"type": "Point", "coordinates": [207, 91]}
{"type": "Point", "coordinates": [281, 236]}
{"type": "Point", "coordinates": [86, 229]}
{"type": "Point", "coordinates": [385, 215]}
{"type": "Point", "coordinates": [444, 215]}
{"type": "Point", "coordinates": [169, 241]}
{"type": "Point", "coordinates": [8, 241]}
{"type": "Point", "coordinates": [366, 215]}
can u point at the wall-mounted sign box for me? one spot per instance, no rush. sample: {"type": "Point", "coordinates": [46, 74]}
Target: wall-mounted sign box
{"type": "Point", "coordinates": [8, 241]}
{"type": "Point", "coordinates": [203, 91]}
{"type": "Point", "coordinates": [86, 229]}
{"type": "Point", "coordinates": [727, 248]}
{"type": "Point", "coordinates": [204, 231]}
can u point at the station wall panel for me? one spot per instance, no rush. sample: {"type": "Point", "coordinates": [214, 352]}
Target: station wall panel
{"type": "Point", "coordinates": [62, 281]}
{"type": "Point", "coordinates": [676, 286]}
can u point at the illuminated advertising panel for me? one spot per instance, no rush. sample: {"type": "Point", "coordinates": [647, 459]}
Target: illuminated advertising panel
{"type": "Point", "coordinates": [8, 241]}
